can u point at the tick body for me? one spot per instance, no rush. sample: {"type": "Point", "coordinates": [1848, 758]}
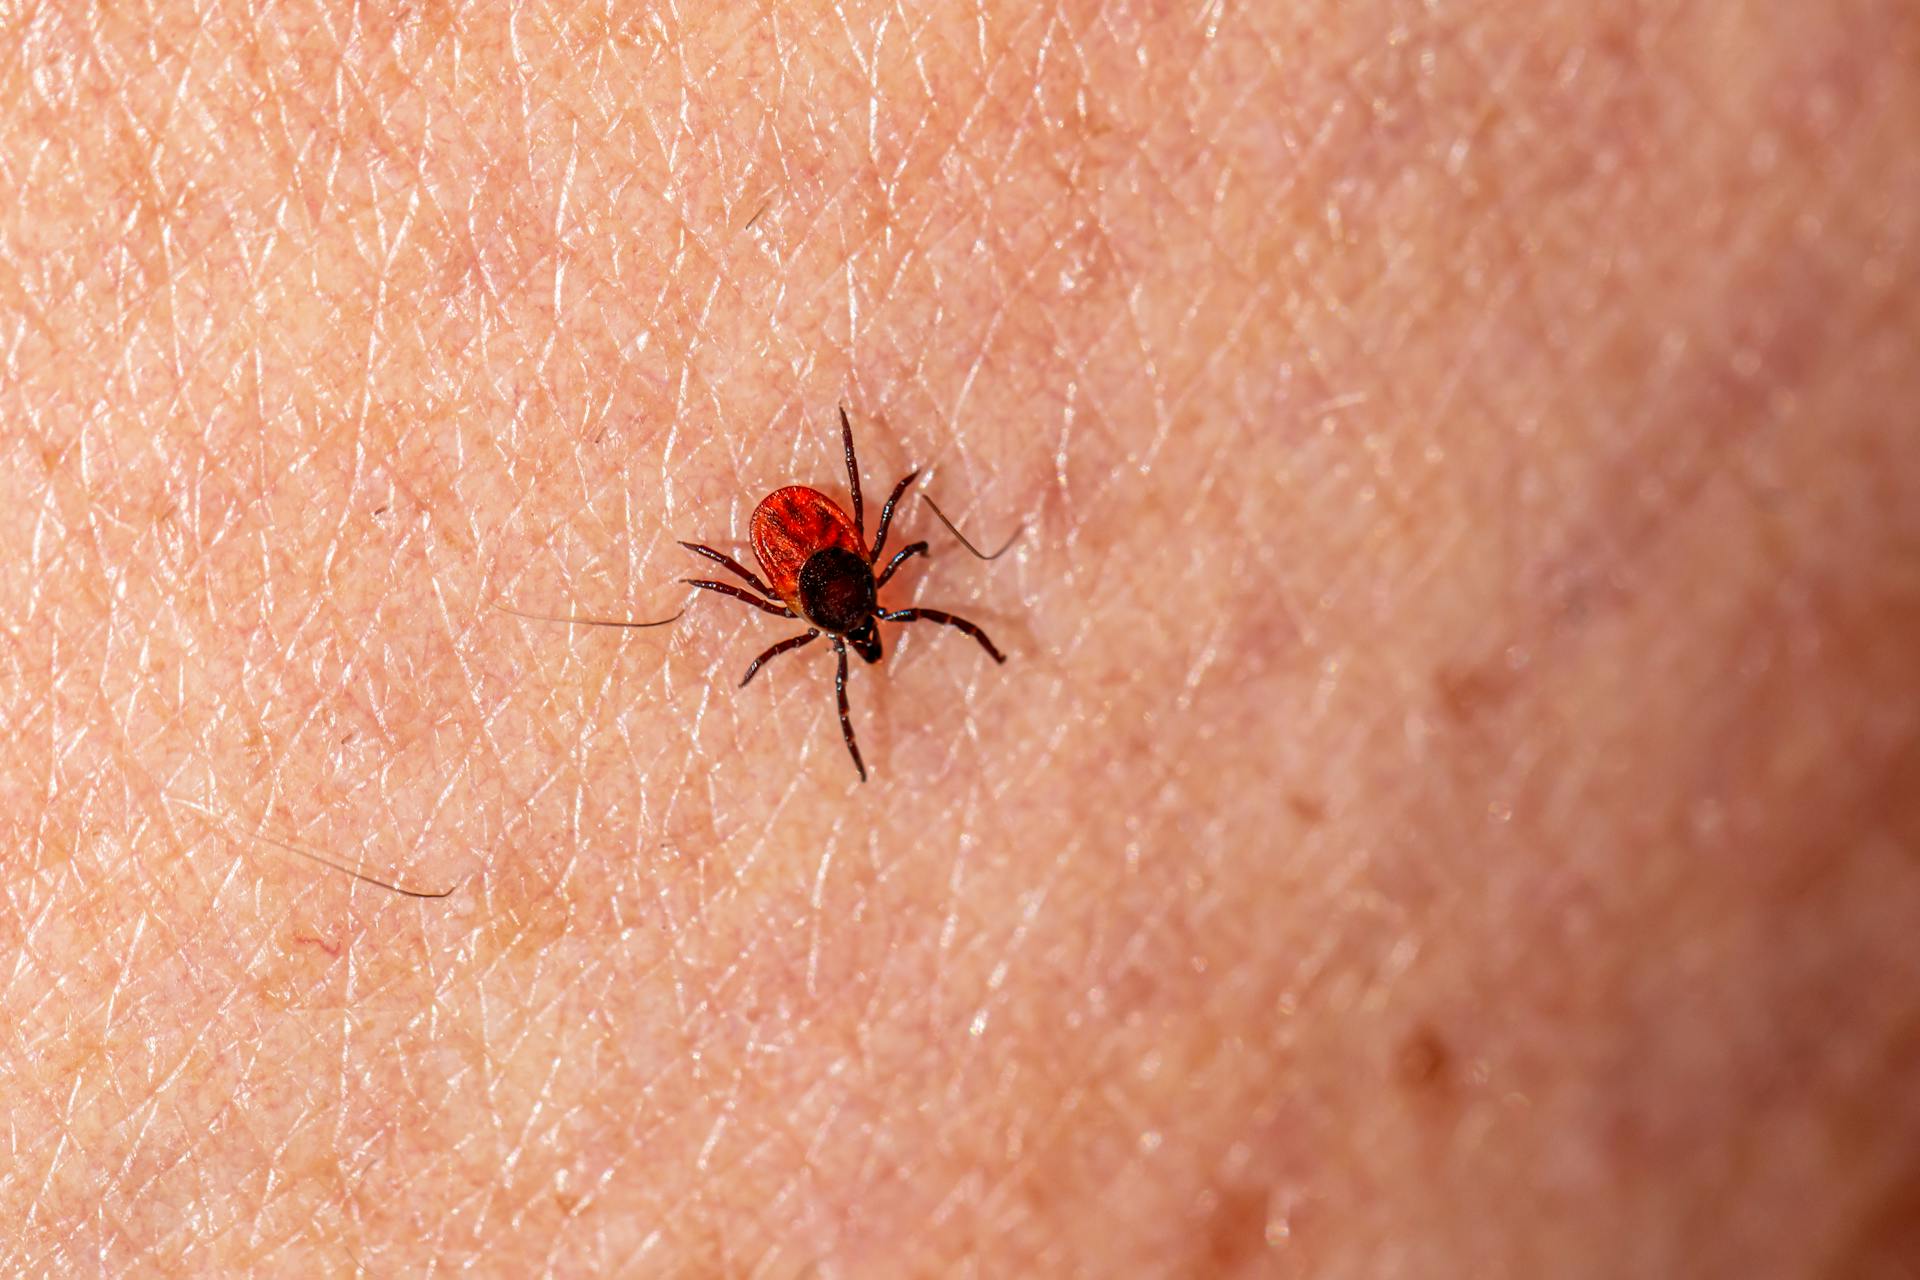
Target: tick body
{"type": "Point", "coordinates": [820, 570]}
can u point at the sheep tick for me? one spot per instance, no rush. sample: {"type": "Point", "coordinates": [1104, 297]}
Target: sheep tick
{"type": "Point", "coordinates": [820, 571]}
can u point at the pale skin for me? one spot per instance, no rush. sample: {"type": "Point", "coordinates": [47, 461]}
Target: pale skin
{"type": "Point", "coordinates": [1452, 807]}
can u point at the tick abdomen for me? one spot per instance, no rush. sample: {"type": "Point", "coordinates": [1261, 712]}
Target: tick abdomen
{"type": "Point", "coordinates": [789, 527]}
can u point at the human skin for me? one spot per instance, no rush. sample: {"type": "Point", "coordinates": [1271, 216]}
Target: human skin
{"type": "Point", "coordinates": [1453, 804]}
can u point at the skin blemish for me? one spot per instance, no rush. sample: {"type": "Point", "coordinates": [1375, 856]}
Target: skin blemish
{"type": "Point", "coordinates": [1311, 810]}
{"type": "Point", "coordinates": [1235, 1234]}
{"type": "Point", "coordinates": [309, 940]}
{"type": "Point", "coordinates": [1470, 692]}
{"type": "Point", "coordinates": [1885, 1245]}
{"type": "Point", "coordinates": [1424, 1062]}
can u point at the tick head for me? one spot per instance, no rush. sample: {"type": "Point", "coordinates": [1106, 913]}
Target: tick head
{"type": "Point", "coordinates": [865, 640]}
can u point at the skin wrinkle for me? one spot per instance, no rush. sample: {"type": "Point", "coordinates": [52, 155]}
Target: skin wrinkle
{"type": "Point", "coordinates": [426, 333]}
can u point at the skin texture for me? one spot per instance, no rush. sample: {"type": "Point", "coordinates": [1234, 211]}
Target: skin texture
{"type": "Point", "coordinates": [1453, 804]}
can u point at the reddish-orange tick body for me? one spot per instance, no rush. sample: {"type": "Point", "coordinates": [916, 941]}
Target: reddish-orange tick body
{"type": "Point", "coordinates": [789, 526]}
{"type": "Point", "coordinates": [819, 570]}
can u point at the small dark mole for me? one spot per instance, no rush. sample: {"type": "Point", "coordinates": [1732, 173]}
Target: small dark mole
{"type": "Point", "coordinates": [1423, 1061]}
{"type": "Point", "coordinates": [1469, 692]}
{"type": "Point", "coordinates": [1309, 809]}
{"type": "Point", "coordinates": [1885, 1245]}
{"type": "Point", "coordinates": [1236, 1232]}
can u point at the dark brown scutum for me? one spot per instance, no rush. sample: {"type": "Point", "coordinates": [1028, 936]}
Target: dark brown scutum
{"type": "Point", "coordinates": [836, 590]}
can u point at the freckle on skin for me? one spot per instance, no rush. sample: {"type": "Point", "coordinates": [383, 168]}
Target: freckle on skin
{"type": "Point", "coordinates": [1472, 691]}
{"type": "Point", "coordinates": [1886, 1243]}
{"type": "Point", "coordinates": [1236, 1231]}
{"type": "Point", "coordinates": [1424, 1062]}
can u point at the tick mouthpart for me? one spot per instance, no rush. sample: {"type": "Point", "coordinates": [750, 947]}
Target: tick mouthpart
{"type": "Point", "coordinates": [865, 640]}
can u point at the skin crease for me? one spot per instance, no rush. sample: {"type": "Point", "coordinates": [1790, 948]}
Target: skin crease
{"type": "Point", "coordinates": [1453, 804]}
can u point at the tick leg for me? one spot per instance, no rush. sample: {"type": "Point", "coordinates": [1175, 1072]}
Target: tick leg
{"type": "Point", "coordinates": [727, 589]}
{"type": "Point", "coordinates": [846, 723]}
{"type": "Point", "coordinates": [947, 619]}
{"type": "Point", "coordinates": [776, 651]}
{"type": "Point", "coordinates": [911, 549]}
{"type": "Point", "coordinates": [727, 561]}
{"type": "Point", "coordinates": [886, 514]}
{"type": "Point", "coordinates": [853, 474]}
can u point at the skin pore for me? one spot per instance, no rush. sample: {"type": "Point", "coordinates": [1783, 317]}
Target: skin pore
{"type": "Point", "coordinates": [1451, 807]}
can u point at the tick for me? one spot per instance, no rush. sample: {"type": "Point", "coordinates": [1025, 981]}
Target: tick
{"type": "Point", "coordinates": [820, 571]}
